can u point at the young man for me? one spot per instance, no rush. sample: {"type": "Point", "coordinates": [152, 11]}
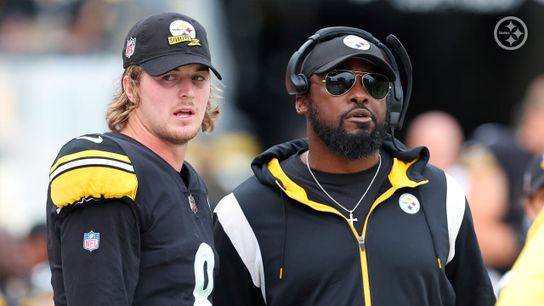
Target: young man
{"type": "Point", "coordinates": [129, 220]}
{"type": "Point", "coordinates": [526, 279]}
{"type": "Point", "coordinates": [346, 217]}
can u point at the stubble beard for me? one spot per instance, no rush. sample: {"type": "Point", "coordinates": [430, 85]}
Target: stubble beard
{"type": "Point", "coordinates": [176, 137]}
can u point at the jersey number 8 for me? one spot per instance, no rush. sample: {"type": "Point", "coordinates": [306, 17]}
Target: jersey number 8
{"type": "Point", "coordinates": [204, 263]}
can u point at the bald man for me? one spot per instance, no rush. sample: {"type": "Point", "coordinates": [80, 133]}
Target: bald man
{"type": "Point", "coordinates": [441, 133]}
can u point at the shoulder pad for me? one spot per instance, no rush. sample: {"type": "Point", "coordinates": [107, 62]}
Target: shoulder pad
{"type": "Point", "coordinates": [91, 167]}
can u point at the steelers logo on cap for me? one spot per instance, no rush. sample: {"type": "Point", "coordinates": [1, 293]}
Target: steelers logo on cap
{"type": "Point", "coordinates": [182, 28]}
{"type": "Point", "coordinates": [409, 203]}
{"type": "Point", "coordinates": [182, 31]}
{"type": "Point", "coordinates": [356, 42]}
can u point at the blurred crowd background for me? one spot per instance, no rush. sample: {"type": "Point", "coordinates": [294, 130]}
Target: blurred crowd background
{"type": "Point", "coordinates": [478, 107]}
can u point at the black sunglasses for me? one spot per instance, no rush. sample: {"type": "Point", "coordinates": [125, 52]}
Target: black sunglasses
{"type": "Point", "coordinates": [338, 82]}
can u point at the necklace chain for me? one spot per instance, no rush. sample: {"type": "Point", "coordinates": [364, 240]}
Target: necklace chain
{"type": "Point", "coordinates": [351, 219]}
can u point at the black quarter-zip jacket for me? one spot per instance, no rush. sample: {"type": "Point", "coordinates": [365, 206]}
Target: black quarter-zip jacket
{"type": "Point", "coordinates": [279, 248]}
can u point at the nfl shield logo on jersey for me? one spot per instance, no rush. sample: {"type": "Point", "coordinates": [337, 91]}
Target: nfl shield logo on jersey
{"type": "Point", "coordinates": [91, 241]}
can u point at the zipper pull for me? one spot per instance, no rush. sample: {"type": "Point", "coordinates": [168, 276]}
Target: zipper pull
{"type": "Point", "coordinates": [361, 243]}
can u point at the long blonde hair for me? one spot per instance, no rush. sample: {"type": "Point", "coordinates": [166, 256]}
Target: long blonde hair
{"type": "Point", "coordinates": [120, 108]}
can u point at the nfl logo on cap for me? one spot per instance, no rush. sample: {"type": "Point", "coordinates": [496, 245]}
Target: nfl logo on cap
{"type": "Point", "coordinates": [91, 241]}
{"type": "Point", "coordinates": [131, 44]}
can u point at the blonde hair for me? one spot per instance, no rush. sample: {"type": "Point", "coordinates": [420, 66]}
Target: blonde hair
{"type": "Point", "coordinates": [121, 107]}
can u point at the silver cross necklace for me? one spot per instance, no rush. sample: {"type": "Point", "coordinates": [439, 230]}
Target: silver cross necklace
{"type": "Point", "coordinates": [350, 211]}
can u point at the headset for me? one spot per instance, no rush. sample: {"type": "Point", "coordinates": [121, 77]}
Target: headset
{"type": "Point", "coordinates": [297, 83]}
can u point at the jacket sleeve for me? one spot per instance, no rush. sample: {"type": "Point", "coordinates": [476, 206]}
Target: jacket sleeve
{"type": "Point", "coordinates": [526, 284]}
{"type": "Point", "coordinates": [466, 271]}
{"type": "Point", "coordinates": [233, 285]}
{"type": "Point", "coordinates": [101, 269]}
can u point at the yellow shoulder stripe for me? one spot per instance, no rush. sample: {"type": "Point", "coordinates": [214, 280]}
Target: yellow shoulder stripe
{"type": "Point", "coordinates": [89, 153]}
{"type": "Point", "coordinates": [92, 174]}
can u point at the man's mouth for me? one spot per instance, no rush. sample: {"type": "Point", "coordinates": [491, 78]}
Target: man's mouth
{"type": "Point", "coordinates": [184, 113]}
{"type": "Point", "coordinates": [359, 115]}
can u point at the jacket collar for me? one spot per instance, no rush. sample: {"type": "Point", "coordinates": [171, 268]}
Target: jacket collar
{"type": "Point", "coordinates": [407, 169]}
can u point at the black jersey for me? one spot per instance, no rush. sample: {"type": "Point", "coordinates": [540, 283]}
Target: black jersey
{"type": "Point", "coordinates": [125, 228]}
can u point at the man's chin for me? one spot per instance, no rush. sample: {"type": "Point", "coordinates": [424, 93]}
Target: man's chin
{"type": "Point", "coordinates": [358, 126]}
{"type": "Point", "coordinates": [180, 138]}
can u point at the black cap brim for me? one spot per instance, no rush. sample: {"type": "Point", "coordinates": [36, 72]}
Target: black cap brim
{"type": "Point", "coordinates": [328, 54]}
{"type": "Point", "coordinates": [382, 66]}
{"type": "Point", "coordinates": [163, 64]}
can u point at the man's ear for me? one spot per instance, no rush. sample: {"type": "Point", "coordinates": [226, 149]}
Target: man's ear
{"type": "Point", "coordinates": [127, 88]}
{"type": "Point", "coordinates": [301, 104]}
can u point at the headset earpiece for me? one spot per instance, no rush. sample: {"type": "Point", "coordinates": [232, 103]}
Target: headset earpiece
{"type": "Point", "coordinates": [296, 83]}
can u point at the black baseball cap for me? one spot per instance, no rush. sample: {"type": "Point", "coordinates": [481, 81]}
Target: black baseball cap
{"type": "Point", "coordinates": [162, 42]}
{"type": "Point", "coordinates": [533, 179]}
{"type": "Point", "coordinates": [329, 53]}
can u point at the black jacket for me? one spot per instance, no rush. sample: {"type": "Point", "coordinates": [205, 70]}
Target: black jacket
{"type": "Point", "coordinates": [277, 247]}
